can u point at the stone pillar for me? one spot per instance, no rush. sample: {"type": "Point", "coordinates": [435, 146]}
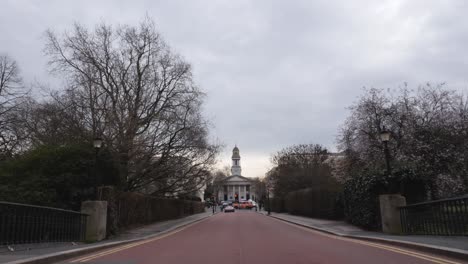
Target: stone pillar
{"type": "Point", "coordinates": [390, 213]}
{"type": "Point", "coordinates": [96, 220]}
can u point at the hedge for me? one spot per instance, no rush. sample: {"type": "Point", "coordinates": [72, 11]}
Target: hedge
{"type": "Point", "coordinates": [126, 209]}
{"type": "Point", "coordinates": [321, 202]}
{"type": "Point", "coordinates": [361, 199]}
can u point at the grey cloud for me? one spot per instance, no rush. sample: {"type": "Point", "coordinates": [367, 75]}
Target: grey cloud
{"type": "Point", "coordinates": [275, 72]}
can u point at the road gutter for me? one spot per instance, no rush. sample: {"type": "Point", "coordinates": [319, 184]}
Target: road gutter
{"type": "Point", "coordinates": [444, 251]}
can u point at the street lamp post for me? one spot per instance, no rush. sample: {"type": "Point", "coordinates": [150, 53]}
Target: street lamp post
{"type": "Point", "coordinates": [97, 144]}
{"type": "Point", "coordinates": [268, 199]}
{"type": "Point", "coordinates": [385, 137]}
{"type": "Point", "coordinates": [213, 202]}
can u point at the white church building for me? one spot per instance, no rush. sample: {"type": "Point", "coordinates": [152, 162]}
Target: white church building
{"type": "Point", "coordinates": [236, 187]}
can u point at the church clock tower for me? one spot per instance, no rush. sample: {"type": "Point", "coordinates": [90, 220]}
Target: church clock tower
{"type": "Point", "coordinates": [236, 168]}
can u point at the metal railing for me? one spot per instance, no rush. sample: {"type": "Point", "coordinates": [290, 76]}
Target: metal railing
{"type": "Point", "coordinates": [441, 217]}
{"type": "Point", "coordinates": [21, 223]}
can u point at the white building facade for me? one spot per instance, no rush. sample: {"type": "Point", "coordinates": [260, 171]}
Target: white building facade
{"type": "Point", "coordinates": [236, 187]}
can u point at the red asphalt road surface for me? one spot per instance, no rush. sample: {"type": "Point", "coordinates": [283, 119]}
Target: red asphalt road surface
{"type": "Point", "coordinates": [249, 237]}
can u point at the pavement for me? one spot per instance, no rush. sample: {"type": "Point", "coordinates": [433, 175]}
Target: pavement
{"type": "Point", "coordinates": [249, 237]}
{"type": "Point", "coordinates": [456, 246]}
{"type": "Point", "coordinates": [29, 252]}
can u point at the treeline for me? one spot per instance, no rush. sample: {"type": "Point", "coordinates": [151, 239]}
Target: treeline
{"type": "Point", "coordinates": [122, 84]}
{"type": "Point", "coordinates": [301, 182]}
{"type": "Point", "coordinates": [428, 150]}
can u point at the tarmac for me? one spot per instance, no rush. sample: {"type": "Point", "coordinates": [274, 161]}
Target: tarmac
{"type": "Point", "coordinates": [453, 246]}
{"type": "Point", "coordinates": [51, 252]}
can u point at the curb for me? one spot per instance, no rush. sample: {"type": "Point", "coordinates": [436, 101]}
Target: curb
{"type": "Point", "coordinates": [63, 255]}
{"type": "Point", "coordinates": [448, 252]}
{"type": "Point", "coordinates": [439, 250]}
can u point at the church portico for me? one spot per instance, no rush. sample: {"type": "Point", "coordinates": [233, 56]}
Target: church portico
{"type": "Point", "coordinates": [236, 187]}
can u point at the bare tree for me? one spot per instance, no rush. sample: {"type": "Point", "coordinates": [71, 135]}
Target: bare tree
{"type": "Point", "coordinates": [298, 167]}
{"type": "Point", "coordinates": [140, 97]}
{"type": "Point", "coordinates": [428, 149]}
{"type": "Point", "coordinates": [11, 96]}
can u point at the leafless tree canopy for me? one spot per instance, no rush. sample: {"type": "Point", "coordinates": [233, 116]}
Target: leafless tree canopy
{"type": "Point", "coordinates": [11, 98]}
{"type": "Point", "coordinates": [298, 167]}
{"type": "Point", "coordinates": [429, 128]}
{"type": "Point", "coordinates": [127, 87]}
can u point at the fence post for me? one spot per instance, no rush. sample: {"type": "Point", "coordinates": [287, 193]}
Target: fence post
{"type": "Point", "coordinates": [390, 212]}
{"type": "Point", "coordinates": [97, 219]}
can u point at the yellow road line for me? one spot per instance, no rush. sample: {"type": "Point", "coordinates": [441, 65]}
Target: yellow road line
{"type": "Point", "coordinates": [376, 245]}
{"type": "Point", "coordinates": [124, 247]}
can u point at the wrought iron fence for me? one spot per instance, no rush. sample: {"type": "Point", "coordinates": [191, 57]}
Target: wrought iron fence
{"type": "Point", "coordinates": [441, 217]}
{"type": "Point", "coordinates": [21, 223]}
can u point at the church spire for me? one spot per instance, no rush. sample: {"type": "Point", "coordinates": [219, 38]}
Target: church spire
{"type": "Point", "coordinates": [236, 168]}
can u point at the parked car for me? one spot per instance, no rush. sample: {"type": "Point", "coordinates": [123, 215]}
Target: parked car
{"type": "Point", "coordinates": [223, 205]}
{"type": "Point", "coordinates": [235, 205]}
{"type": "Point", "coordinates": [229, 209]}
{"type": "Point", "coordinates": [245, 205]}
{"type": "Point", "coordinates": [254, 204]}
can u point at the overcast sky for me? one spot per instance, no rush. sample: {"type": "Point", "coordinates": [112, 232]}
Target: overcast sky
{"type": "Point", "coordinates": [276, 73]}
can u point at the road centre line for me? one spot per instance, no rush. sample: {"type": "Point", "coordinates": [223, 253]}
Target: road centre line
{"type": "Point", "coordinates": [376, 245]}
{"type": "Point", "coordinates": [124, 247]}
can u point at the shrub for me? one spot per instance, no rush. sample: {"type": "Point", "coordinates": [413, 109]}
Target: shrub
{"type": "Point", "coordinates": [129, 209]}
{"type": "Point", "coordinates": [318, 201]}
{"type": "Point", "coordinates": [361, 199]}
{"type": "Point", "coordinates": [56, 176]}
{"type": "Point", "coordinates": [277, 205]}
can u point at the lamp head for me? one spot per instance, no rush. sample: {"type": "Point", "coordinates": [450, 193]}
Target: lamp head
{"type": "Point", "coordinates": [384, 135]}
{"type": "Point", "coordinates": [97, 142]}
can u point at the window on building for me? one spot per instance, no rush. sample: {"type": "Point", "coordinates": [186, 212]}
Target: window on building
{"type": "Point", "coordinates": [225, 188]}
{"type": "Point", "coordinates": [247, 188]}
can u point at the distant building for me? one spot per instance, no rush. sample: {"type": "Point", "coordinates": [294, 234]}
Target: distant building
{"type": "Point", "coordinates": [236, 187]}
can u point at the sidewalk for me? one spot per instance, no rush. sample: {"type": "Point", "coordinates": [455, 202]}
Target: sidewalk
{"type": "Point", "coordinates": [31, 251]}
{"type": "Point", "coordinates": [456, 246]}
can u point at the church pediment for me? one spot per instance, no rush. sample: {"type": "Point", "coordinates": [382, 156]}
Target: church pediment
{"type": "Point", "coordinates": [237, 179]}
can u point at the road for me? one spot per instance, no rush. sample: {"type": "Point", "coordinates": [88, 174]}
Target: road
{"type": "Point", "coordinates": [249, 237]}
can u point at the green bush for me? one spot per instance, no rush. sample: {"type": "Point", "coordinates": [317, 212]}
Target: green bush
{"type": "Point", "coordinates": [56, 176]}
{"type": "Point", "coordinates": [361, 199]}
{"type": "Point", "coordinates": [128, 209]}
{"type": "Point", "coordinates": [277, 205]}
{"type": "Point", "coordinates": [319, 201]}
